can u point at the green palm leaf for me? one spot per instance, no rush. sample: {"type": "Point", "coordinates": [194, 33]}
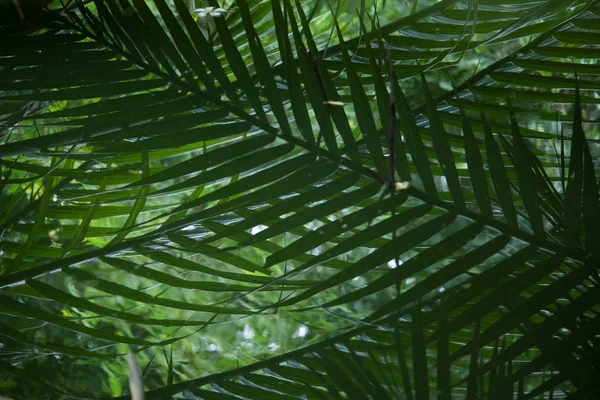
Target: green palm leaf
{"type": "Point", "coordinates": [170, 178]}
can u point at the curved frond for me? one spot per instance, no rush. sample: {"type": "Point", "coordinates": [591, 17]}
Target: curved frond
{"type": "Point", "coordinates": [423, 184]}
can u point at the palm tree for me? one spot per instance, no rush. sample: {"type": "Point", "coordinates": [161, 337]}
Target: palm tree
{"type": "Point", "coordinates": [417, 188]}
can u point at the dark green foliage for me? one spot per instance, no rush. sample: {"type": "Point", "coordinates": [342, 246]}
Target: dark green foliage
{"type": "Point", "coordinates": [268, 202]}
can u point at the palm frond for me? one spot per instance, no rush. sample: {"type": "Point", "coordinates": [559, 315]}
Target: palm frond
{"type": "Point", "coordinates": [247, 165]}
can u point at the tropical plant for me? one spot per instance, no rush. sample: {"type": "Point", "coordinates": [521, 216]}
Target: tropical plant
{"type": "Point", "coordinates": [415, 184]}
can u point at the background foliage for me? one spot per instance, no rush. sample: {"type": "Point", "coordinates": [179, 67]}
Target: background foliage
{"type": "Point", "coordinates": [216, 191]}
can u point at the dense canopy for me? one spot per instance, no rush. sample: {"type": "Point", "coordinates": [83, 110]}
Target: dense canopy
{"type": "Point", "coordinates": [280, 199]}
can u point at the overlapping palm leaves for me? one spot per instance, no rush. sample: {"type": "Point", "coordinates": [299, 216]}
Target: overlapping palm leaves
{"type": "Point", "coordinates": [185, 140]}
